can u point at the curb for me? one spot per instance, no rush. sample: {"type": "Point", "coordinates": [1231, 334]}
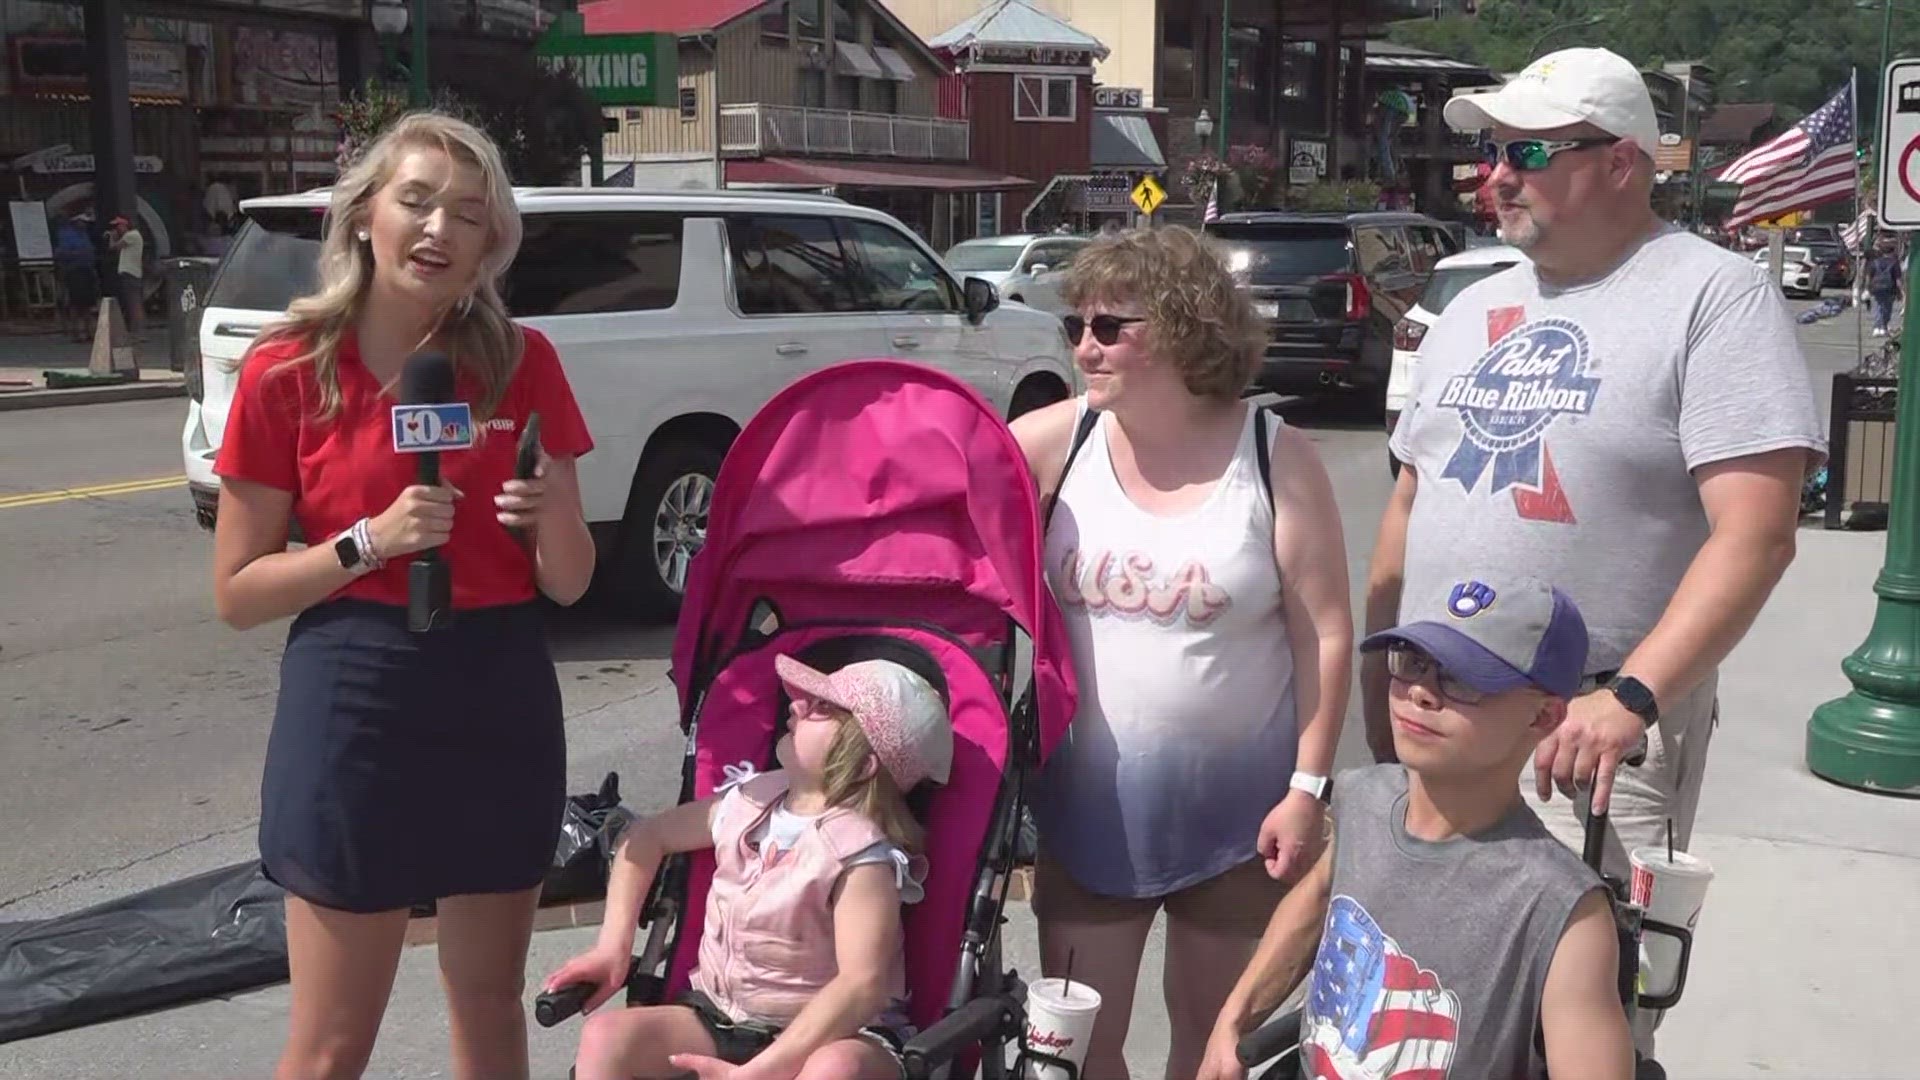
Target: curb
{"type": "Point", "coordinates": [92, 395]}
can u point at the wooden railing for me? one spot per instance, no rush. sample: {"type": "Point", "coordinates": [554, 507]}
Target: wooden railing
{"type": "Point", "coordinates": [755, 130]}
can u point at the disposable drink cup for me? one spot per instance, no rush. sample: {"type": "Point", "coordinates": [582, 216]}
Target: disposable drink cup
{"type": "Point", "coordinates": [1672, 892]}
{"type": "Point", "coordinates": [1060, 1019]}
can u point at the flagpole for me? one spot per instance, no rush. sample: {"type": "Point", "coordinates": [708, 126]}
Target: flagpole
{"type": "Point", "coordinates": [1860, 262]}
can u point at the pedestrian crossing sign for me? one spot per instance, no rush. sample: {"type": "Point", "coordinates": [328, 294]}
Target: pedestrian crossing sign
{"type": "Point", "coordinates": [1148, 195]}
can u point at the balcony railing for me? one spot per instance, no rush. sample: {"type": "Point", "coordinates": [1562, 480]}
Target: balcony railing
{"type": "Point", "coordinates": [755, 130]}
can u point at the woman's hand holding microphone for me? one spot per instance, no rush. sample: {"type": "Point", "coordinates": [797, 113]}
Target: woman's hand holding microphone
{"type": "Point", "coordinates": [421, 518]}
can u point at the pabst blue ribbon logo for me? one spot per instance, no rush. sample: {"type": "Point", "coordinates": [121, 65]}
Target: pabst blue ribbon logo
{"type": "Point", "coordinates": [1512, 396]}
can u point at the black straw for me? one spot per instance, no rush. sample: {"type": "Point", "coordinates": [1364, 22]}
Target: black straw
{"type": "Point", "coordinates": [1669, 841]}
{"type": "Point", "coordinates": [1069, 977]}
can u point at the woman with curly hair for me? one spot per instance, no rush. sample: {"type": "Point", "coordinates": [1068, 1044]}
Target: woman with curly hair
{"type": "Point", "coordinates": [1212, 635]}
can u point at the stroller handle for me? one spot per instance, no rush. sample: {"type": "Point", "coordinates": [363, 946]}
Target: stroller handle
{"type": "Point", "coordinates": [554, 1006]}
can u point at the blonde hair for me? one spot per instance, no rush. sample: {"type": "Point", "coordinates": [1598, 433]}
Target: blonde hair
{"type": "Point", "coordinates": [481, 337]}
{"type": "Point", "coordinates": [1198, 317]}
{"type": "Point", "coordinates": [874, 796]}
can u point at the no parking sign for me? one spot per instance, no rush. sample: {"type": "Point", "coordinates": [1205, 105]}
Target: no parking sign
{"type": "Point", "coordinates": [1900, 162]}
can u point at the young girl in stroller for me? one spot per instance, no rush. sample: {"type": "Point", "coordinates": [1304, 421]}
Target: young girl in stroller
{"type": "Point", "coordinates": [801, 968]}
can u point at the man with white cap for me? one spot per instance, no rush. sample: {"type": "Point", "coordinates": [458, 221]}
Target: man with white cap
{"type": "Point", "coordinates": [1626, 414]}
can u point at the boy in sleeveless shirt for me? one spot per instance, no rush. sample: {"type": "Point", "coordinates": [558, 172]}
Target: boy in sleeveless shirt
{"type": "Point", "coordinates": [1450, 934]}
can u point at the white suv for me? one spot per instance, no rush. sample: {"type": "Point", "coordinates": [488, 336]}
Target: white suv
{"type": "Point", "coordinates": [676, 315]}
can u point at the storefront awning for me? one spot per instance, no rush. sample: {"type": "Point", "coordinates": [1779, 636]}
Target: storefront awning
{"type": "Point", "coordinates": [797, 172]}
{"type": "Point", "coordinates": [1125, 141]}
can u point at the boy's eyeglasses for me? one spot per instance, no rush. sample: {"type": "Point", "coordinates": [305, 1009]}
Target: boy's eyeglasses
{"type": "Point", "coordinates": [1408, 664]}
{"type": "Point", "coordinates": [1532, 155]}
{"type": "Point", "coordinates": [1106, 328]}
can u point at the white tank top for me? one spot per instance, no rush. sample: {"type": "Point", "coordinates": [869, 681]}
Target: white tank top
{"type": "Point", "coordinates": [1186, 735]}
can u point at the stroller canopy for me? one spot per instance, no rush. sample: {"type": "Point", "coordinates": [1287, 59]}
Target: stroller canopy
{"type": "Point", "coordinates": [877, 489]}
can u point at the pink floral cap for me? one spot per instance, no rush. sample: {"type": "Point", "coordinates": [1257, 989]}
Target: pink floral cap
{"type": "Point", "coordinates": [900, 712]}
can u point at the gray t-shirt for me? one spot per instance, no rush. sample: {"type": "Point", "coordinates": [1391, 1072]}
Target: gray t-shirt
{"type": "Point", "coordinates": [1434, 956]}
{"type": "Point", "coordinates": [1555, 431]}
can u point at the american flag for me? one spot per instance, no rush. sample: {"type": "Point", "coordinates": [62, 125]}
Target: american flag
{"type": "Point", "coordinates": [1212, 212]}
{"type": "Point", "coordinates": [1809, 164]}
{"type": "Point", "coordinates": [1855, 235]}
{"type": "Point", "coordinates": [1372, 1011]}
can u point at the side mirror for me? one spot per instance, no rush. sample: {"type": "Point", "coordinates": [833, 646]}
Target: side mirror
{"type": "Point", "coordinates": [981, 298]}
{"type": "Point", "coordinates": [1036, 269]}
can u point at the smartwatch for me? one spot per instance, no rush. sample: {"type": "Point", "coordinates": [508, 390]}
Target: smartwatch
{"type": "Point", "coordinates": [1636, 697]}
{"type": "Point", "coordinates": [1315, 786]}
{"type": "Point", "coordinates": [347, 550]}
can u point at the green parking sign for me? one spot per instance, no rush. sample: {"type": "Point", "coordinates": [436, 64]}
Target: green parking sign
{"type": "Point", "coordinates": [617, 69]}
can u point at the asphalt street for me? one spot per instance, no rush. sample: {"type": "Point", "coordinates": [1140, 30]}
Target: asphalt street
{"type": "Point", "coordinates": [134, 722]}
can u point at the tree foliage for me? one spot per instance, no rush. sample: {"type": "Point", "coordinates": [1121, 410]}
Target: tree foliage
{"type": "Point", "coordinates": [1793, 53]}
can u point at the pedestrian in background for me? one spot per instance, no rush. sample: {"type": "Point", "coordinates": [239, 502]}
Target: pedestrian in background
{"type": "Point", "coordinates": [73, 260]}
{"type": "Point", "coordinates": [406, 767]}
{"type": "Point", "coordinates": [1886, 282]}
{"type": "Point", "coordinates": [129, 251]}
{"type": "Point", "coordinates": [1210, 617]}
{"type": "Point", "coordinates": [1627, 415]}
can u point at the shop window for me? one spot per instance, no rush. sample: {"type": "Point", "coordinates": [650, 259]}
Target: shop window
{"type": "Point", "coordinates": [1303, 89]}
{"type": "Point", "coordinates": [578, 264]}
{"type": "Point", "coordinates": [809, 19]}
{"type": "Point", "coordinates": [1179, 67]}
{"type": "Point", "coordinates": [1044, 97]}
{"type": "Point", "coordinates": [1248, 64]}
{"type": "Point", "coordinates": [845, 26]}
{"type": "Point", "coordinates": [773, 21]}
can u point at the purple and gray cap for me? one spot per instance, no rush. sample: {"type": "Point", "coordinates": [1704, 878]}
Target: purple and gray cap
{"type": "Point", "coordinates": [1494, 634]}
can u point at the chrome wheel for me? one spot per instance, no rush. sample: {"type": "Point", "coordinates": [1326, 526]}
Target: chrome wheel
{"type": "Point", "coordinates": [680, 528]}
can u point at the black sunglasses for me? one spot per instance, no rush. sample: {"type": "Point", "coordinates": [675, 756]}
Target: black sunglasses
{"type": "Point", "coordinates": [1532, 155]}
{"type": "Point", "coordinates": [1106, 328]}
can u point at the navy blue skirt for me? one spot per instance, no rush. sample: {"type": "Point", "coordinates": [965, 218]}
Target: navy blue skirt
{"type": "Point", "coordinates": [407, 767]}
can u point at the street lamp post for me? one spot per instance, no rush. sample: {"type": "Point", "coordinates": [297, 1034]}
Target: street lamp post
{"type": "Point", "coordinates": [1870, 739]}
{"type": "Point", "coordinates": [391, 19]}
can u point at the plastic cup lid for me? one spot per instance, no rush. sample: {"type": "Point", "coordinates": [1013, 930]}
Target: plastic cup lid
{"type": "Point", "coordinates": [1057, 995]}
{"type": "Point", "coordinates": [1654, 859]}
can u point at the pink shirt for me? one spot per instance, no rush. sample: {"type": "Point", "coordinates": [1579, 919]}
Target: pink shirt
{"type": "Point", "coordinates": [768, 944]}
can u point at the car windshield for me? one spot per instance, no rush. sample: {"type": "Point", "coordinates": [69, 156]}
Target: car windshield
{"type": "Point", "coordinates": [1449, 282]}
{"type": "Point", "coordinates": [1263, 254]}
{"type": "Point", "coordinates": [275, 259]}
{"type": "Point", "coordinates": [975, 255]}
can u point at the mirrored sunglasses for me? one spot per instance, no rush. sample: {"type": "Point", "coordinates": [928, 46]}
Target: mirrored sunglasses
{"type": "Point", "coordinates": [1532, 155]}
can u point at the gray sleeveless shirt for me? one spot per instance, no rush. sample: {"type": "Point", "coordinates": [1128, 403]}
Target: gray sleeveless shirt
{"type": "Point", "coordinates": [1434, 955]}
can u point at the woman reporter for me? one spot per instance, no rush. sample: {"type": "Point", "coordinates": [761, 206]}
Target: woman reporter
{"type": "Point", "coordinates": [406, 767]}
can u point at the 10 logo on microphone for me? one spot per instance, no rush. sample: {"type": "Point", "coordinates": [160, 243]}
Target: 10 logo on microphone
{"type": "Point", "coordinates": [422, 428]}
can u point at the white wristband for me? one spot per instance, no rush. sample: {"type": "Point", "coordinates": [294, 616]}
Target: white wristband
{"type": "Point", "coordinates": [1315, 786]}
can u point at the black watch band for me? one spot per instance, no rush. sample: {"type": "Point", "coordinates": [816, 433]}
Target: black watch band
{"type": "Point", "coordinates": [1638, 700]}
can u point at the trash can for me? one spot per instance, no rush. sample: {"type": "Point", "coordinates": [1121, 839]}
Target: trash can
{"type": "Point", "coordinates": [187, 279]}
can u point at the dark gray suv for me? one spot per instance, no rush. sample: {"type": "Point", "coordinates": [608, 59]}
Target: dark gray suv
{"type": "Point", "coordinates": [1331, 287]}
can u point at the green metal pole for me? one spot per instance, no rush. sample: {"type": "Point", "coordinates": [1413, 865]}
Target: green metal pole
{"type": "Point", "coordinates": [1870, 739]}
{"type": "Point", "coordinates": [1226, 46]}
{"type": "Point", "coordinates": [417, 90]}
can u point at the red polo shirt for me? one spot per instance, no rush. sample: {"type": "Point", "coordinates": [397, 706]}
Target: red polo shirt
{"type": "Point", "coordinates": [343, 469]}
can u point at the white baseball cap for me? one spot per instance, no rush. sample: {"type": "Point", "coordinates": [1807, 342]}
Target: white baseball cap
{"type": "Point", "coordinates": [1572, 86]}
{"type": "Point", "coordinates": [905, 720]}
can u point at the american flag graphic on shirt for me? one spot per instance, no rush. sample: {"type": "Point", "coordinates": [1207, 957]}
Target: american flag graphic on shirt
{"type": "Point", "coordinates": [1372, 1012]}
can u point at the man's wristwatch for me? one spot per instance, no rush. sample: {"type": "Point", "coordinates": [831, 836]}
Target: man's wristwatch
{"type": "Point", "coordinates": [1638, 700]}
{"type": "Point", "coordinates": [1315, 786]}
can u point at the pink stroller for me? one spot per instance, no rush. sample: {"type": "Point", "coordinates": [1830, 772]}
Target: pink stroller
{"type": "Point", "coordinates": [877, 506]}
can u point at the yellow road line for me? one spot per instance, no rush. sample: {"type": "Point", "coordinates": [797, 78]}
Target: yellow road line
{"type": "Point", "coordinates": [95, 491]}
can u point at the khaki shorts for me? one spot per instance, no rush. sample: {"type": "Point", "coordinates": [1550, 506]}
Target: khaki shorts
{"type": "Point", "coordinates": [1240, 900]}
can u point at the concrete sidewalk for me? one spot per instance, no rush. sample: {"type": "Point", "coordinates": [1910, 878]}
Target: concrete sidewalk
{"type": "Point", "coordinates": [26, 358]}
{"type": "Point", "coordinates": [1796, 970]}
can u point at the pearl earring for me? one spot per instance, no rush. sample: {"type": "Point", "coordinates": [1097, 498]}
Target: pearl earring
{"type": "Point", "coordinates": [365, 236]}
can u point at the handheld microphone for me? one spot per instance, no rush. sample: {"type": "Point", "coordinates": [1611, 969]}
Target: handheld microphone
{"type": "Point", "coordinates": [429, 420]}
